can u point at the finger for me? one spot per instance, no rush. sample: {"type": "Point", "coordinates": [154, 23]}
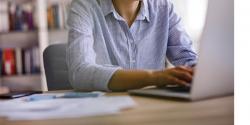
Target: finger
{"type": "Point", "coordinates": [186, 69]}
{"type": "Point", "coordinates": [182, 75]}
{"type": "Point", "coordinates": [176, 81]}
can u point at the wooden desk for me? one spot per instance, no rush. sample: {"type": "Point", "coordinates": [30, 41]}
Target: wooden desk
{"type": "Point", "coordinates": [153, 111]}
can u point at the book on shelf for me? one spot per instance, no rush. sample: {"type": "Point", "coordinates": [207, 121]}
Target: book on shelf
{"type": "Point", "coordinates": [19, 61]}
{"type": "Point", "coordinates": [31, 60]}
{"type": "Point", "coordinates": [35, 60]}
{"type": "Point", "coordinates": [1, 62]}
{"type": "Point", "coordinates": [27, 61]}
{"type": "Point", "coordinates": [4, 19]}
{"type": "Point", "coordinates": [9, 62]}
{"type": "Point", "coordinates": [57, 14]}
{"type": "Point", "coordinates": [17, 17]}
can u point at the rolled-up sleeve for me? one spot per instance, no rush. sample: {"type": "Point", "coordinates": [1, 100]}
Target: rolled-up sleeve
{"type": "Point", "coordinates": [84, 73]}
{"type": "Point", "coordinates": [180, 51]}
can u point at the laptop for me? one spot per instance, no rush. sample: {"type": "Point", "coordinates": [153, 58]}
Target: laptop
{"type": "Point", "coordinates": [214, 73]}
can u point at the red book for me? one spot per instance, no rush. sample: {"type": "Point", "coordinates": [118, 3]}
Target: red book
{"type": "Point", "coordinates": [9, 66]}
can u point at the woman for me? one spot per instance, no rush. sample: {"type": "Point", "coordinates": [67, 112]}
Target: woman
{"type": "Point", "coordinates": [118, 45]}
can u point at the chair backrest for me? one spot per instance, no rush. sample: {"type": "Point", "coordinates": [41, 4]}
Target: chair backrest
{"type": "Point", "coordinates": [56, 68]}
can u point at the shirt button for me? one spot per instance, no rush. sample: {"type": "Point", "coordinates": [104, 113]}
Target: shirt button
{"type": "Point", "coordinates": [131, 41]}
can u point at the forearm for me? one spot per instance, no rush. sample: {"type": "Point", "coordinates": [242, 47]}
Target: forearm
{"type": "Point", "coordinates": [123, 80]}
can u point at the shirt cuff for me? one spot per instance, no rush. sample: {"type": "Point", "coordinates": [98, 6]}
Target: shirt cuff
{"type": "Point", "coordinates": [104, 76]}
{"type": "Point", "coordinates": [93, 77]}
{"type": "Point", "coordinates": [184, 62]}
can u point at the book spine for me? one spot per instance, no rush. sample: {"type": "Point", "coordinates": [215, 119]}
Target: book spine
{"type": "Point", "coordinates": [1, 61]}
{"type": "Point", "coordinates": [12, 10]}
{"type": "Point", "coordinates": [9, 62]}
{"type": "Point", "coordinates": [56, 16]}
{"type": "Point", "coordinates": [1, 17]}
{"type": "Point", "coordinates": [35, 17]}
{"type": "Point", "coordinates": [36, 60]}
{"type": "Point", "coordinates": [28, 20]}
{"type": "Point", "coordinates": [50, 18]}
{"type": "Point", "coordinates": [4, 20]}
{"type": "Point", "coordinates": [19, 19]}
{"type": "Point", "coordinates": [19, 65]}
{"type": "Point", "coordinates": [27, 61]}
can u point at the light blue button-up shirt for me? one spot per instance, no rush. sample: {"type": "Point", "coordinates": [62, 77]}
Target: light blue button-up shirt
{"type": "Point", "coordinates": [101, 42]}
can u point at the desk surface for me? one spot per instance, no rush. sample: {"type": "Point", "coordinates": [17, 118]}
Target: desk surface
{"type": "Point", "coordinates": [155, 111]}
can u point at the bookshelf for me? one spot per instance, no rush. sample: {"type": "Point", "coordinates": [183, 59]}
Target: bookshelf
{"type": "Point", "coordinates": [20, 39]}
{"type": "Point", "coordinates": [58, 34]}
{"type": "Point", "coordinates": [40, 34]}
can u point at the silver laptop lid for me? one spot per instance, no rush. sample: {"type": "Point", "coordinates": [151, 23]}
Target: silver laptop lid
{"type": "Point", "coordinates": [215, 69]}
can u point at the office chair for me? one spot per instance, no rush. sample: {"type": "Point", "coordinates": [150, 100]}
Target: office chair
{"type": "Point", "coordinates": [56, 68]}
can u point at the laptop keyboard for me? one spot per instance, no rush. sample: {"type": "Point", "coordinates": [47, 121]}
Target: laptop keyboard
{"type": "Point", "coordinates": [180, 89]}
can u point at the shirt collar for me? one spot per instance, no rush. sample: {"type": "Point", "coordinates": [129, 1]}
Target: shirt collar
{"type": "Point", "coordinates": [108, 8]}
{"type": "Point", "coordinates": [144, 11]}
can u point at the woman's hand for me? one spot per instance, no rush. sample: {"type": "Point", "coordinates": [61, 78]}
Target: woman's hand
{"type": "Point", "coordinates": [4, 90]}
{"type": "Point", "coordinates": [175, 76]}
{"type": "Point", "coordinates": [123, 80]}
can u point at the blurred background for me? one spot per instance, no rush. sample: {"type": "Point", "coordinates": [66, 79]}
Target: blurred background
{"type": "Point", "coordinates": [193, 13]}
{"type": "Point", "coordinates": [27, 27]}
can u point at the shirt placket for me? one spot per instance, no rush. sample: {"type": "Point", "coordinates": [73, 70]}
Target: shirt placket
{"type": "Point", "coordinates": [133, 52]}
{"type": "Point", "coordinates": [132, 47]}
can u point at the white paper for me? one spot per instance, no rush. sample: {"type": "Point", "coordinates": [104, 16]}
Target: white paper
{"type": "Point", "coordinates": [64, 108]}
